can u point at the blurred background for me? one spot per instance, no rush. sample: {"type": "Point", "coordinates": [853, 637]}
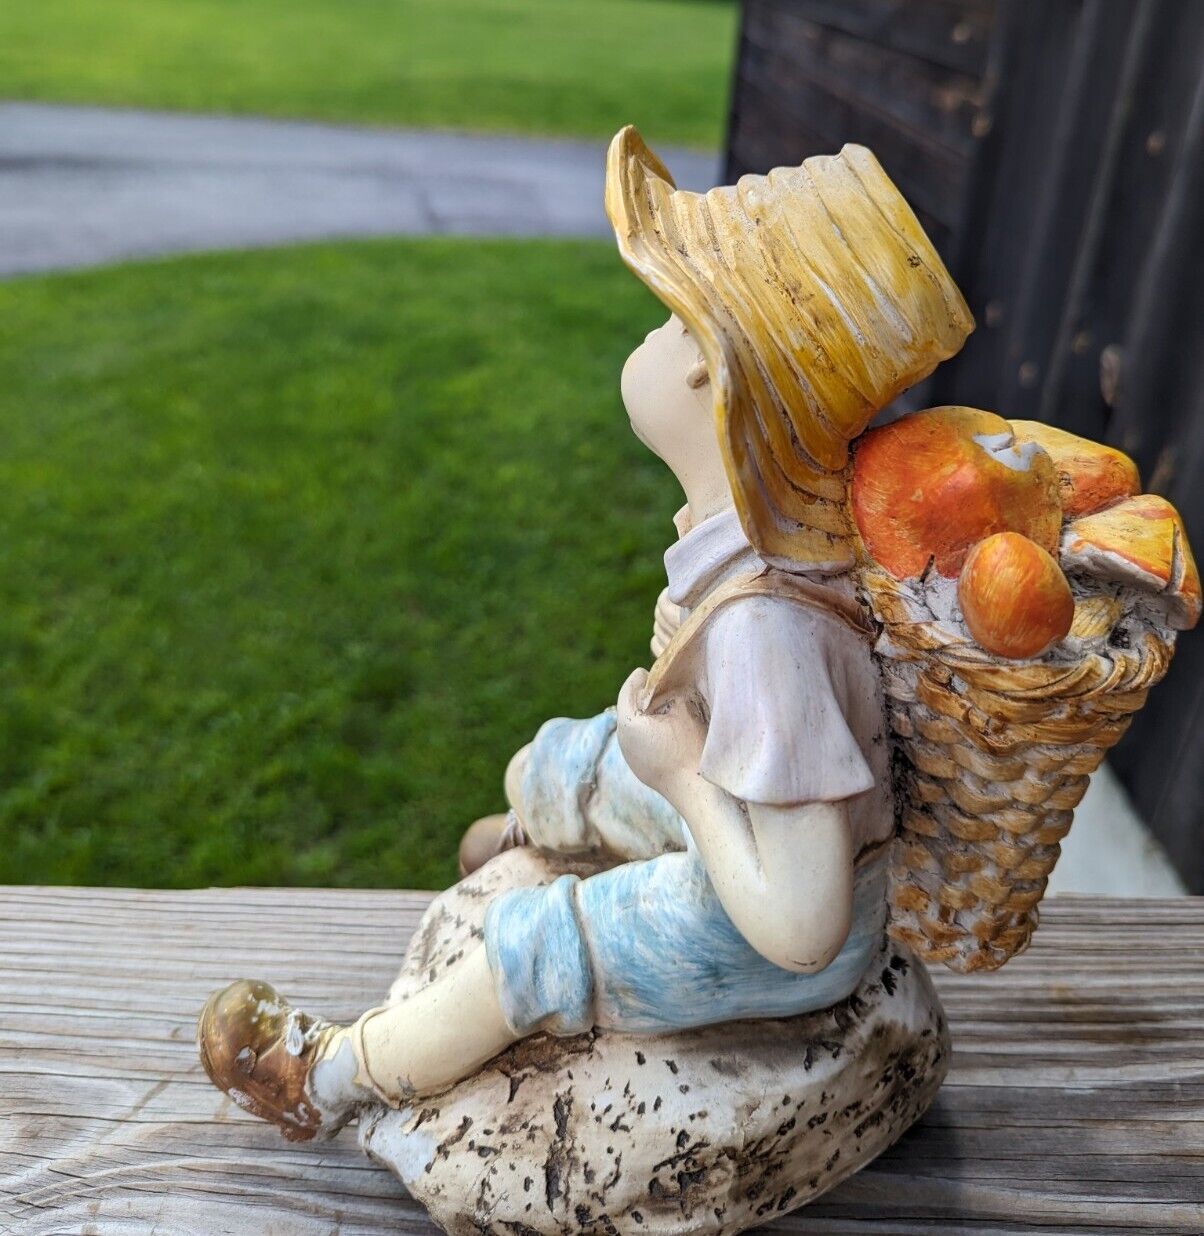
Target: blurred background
{"type": "Point", "coordinates": [316, 493]}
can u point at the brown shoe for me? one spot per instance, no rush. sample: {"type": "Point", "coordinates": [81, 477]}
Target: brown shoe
{"type": "Point", "coordinates": [258, 1049]}
{"type": "Point", "coordinates": [487, 838]}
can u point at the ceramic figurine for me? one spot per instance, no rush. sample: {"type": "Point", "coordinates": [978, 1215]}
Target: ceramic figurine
{"type": "Point", "coordinates": [681, 989]}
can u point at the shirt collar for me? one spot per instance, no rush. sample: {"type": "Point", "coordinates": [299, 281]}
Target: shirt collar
{"type": "Point", "coordinates": [707, 554]}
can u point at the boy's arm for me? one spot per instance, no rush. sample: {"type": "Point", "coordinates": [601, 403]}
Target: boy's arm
{"type": "Point", "coordinates": [784, 874]}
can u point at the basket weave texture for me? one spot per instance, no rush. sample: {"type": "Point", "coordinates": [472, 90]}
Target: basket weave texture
{"type": "Point", "coordinates": [992, 758]}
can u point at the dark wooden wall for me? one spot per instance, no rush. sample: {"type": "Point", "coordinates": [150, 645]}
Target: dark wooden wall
{"type": "Point", "coordinates": [906, 80]}
{"type": "Point", "coordinates": [1053, 150]}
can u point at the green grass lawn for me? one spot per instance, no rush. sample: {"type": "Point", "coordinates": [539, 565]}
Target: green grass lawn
{"type": "Point", "coordinates": [297, 547]}
{"type": "Point", "coordinates": [581, 67]}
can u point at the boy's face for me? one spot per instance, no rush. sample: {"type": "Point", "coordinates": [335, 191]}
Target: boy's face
{"type": "Point", "coordinates": [668, 398]}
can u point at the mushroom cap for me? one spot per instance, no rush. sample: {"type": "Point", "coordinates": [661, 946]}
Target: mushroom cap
{"type": "Point", "coordinates": [1140, 542]}
{"type": "Point", "coordinates": [930, 485]}
{"type": "Point", "coordinates": [1091, 475]}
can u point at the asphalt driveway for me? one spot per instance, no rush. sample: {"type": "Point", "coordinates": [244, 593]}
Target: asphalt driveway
{"type": "Point", "coordinates": [81, 186]}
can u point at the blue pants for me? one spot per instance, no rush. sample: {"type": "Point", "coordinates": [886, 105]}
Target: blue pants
{"type": "Point", "coordinates": [646, 946]}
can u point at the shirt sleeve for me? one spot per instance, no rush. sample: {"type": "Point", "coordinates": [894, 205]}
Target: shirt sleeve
{"type": "Point", "coordinates": [778, 731]}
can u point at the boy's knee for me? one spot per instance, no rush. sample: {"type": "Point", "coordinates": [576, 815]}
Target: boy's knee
{"type": "Point", "coordinates": [512, 783]}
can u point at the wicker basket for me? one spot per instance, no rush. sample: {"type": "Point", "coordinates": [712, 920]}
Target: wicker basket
{"type": "Point", "coordinates": [993, 757]}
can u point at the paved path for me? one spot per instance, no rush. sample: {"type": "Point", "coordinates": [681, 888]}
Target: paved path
{"type": "Point", "coordinates": [80, 186]}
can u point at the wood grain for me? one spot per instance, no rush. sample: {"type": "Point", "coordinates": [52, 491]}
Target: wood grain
{"type": "Point", "coordinates": [904, 80]}
{"type": "Point", "coordinates": [1075, 1102]}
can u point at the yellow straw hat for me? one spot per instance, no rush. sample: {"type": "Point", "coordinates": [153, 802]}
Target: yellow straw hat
{"type": "Point", "coordinates": [816, 298]}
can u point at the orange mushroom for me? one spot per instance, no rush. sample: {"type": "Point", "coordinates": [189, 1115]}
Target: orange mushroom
{"type": "Point", "coordinates": [1140, 542]}
{"type": "Point", "coordinates": [931, 485]}
{"type": "Point", "coordinates": [1014, 597]}
{"type": "Point", "coordinates": [1091, 476]}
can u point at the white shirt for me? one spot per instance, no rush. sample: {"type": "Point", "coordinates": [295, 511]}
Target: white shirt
{"type": "Point", "coordinates": [796, 707]}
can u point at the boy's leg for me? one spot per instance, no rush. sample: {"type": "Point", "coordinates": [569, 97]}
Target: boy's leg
{"type": "Point", "coordinates": [570, 792]}
{"type": "Point", "coordinates": [648, 947]}
{"type": "Point", "coordinates": [574, 794]}
{"type": "Point", "coordinates": [642, 947]}
{"type": "Point", "coordinates": [441, 1033]}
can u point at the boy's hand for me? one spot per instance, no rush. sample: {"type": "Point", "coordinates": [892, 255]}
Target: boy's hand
{"type": "Point", "coordinates": [662, 747]}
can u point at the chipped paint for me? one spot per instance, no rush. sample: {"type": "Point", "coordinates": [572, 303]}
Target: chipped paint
{"type": "Point", "coordinates": [1012, 454]}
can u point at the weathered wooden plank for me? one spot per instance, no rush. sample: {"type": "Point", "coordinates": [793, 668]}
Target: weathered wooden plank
{"type": "Point", "coordinates": [1075, 1102]}
{"type": "Point", "coordinates": [950, 33]}
{"type": "Point", "coordinates": [933, 168]}
{"type": "Point", "coordinates": [929, 105]}
{"type": "Point", "coordinates": [106, 1119]}
{"type": "Point", "coordinates": [812, 76]}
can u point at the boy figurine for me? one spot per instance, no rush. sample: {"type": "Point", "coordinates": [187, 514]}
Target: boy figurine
{"type": "Point", "coordinates": [738, 801]}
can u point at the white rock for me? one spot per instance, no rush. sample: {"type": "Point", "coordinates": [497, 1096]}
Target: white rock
{"type": "Point", "coordinates": [706, 1131]}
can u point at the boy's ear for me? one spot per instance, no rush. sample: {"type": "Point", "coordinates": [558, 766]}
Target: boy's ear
{"type": "Point", "coordinates": [697, 375]}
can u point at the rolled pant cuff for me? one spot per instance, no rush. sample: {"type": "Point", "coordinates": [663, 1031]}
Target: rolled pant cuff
{"type": "Point", "coordinates": [541, 968]}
